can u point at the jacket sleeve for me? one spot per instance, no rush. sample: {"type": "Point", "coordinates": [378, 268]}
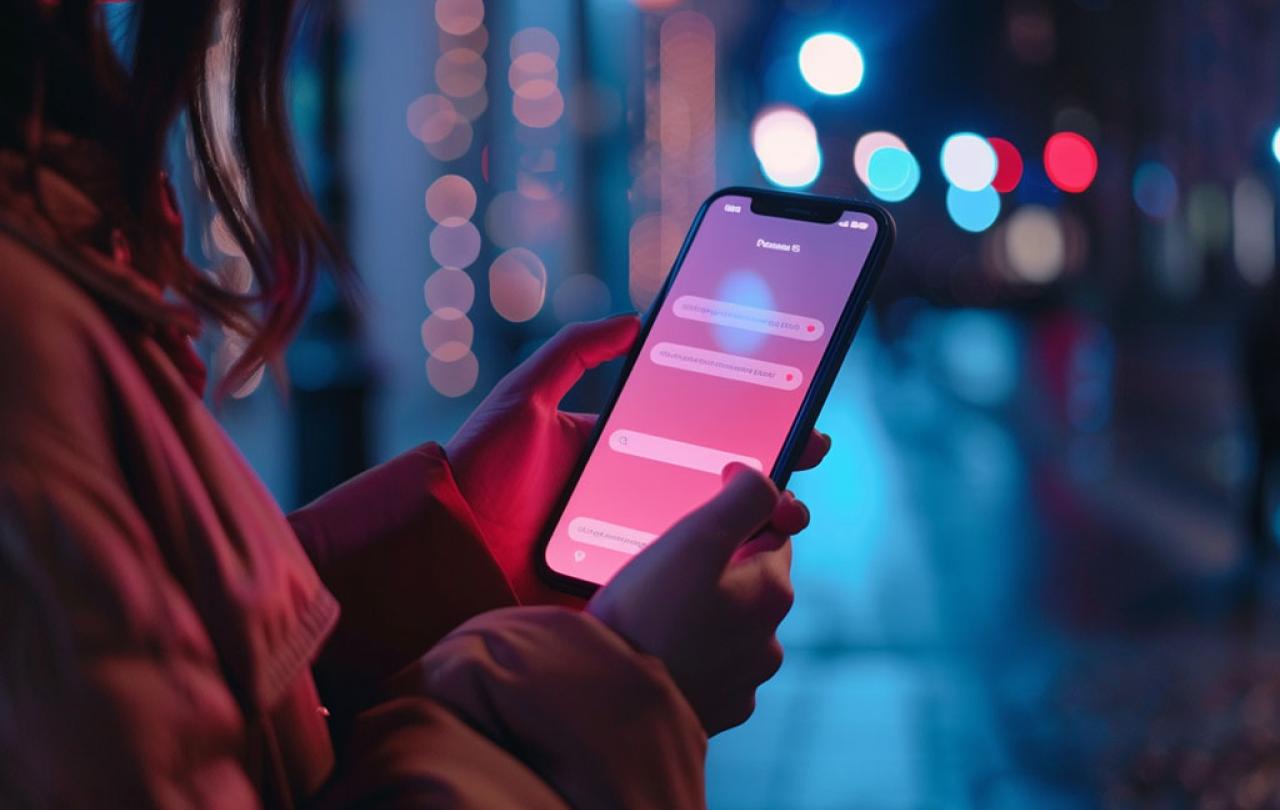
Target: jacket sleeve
{"type": "Point", "coordinates": [399, 549]}
{"type": "Point", "coordinates": [110, 690]}
{"type": "Point", "coordinates": [544, 691]}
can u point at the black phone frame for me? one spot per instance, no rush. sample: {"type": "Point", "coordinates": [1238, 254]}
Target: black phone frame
{"type": "Point", "coordinates": [784, 204]}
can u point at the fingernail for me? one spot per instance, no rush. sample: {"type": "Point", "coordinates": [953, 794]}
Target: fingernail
{"type": "Point", "coordinates": [805, 510]}
{"type": "Point", "coordinates": [731, 469]}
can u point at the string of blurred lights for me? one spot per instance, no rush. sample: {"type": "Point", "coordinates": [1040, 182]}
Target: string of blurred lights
{"type": "Point", "coordinates": [443, 123]}
{"type": "Point", "coordinates": [686, 121]}
{"type": "Point", "coordinates": [676, 163]}
{"type": "Point", "coordinates": [517, 219]}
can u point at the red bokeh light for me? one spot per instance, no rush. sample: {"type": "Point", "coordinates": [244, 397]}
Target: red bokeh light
{"type": "Point", "coordinates": [1008, 165]}
{"type": "Point", "coordinates": [1070, 161]}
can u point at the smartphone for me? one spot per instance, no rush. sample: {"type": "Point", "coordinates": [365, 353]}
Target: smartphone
{"type": "Point", "coordinates": [733, 363]}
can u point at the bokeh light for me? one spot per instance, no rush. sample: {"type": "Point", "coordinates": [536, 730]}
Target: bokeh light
{"type": "Point", "coordinates": [517, 284]}
{"type": "Point", "coordinates": [786, 144]}
{"type": "Point", "coordinates": [1070, 161]}
{"type": "Point", "coordinates": [455, 245]}
{"type": "Point", "coordinates": [473, 106]}
{"type": "Point", "coordinates": [447, 334]}
{"type": "Point", "coordinates": [1209, 217]}
{"type": "Point", "coordinates": [453, 379]}
{"type": "Point", "coordinates": [1035, 245]}
{"type": "Point", "coordinates": [235, 274]}
{"type": "Point", "coordinates": [1155, 189]}
{"type": "Point", "coordinates": [449, 288]}
{"type": "Point", "coordinates": [1253, 222]}
{"type": "Point", "coordinates": [460, 72]}
{"type": "Point", "coordinates": [459, 17]}
{"type": "Point", "coordinates": [867, 145]}
{"type": "Point", "coordinates": [223, 239]}
{"type": "Point", "coordinates": [581, 297]}
{"type": "Point", "coordinates": [251, 384]}
{"type": "Point", "coordinates": [1008, 165]}
{"type": "Point", "coordinates": [535, 40]}
{"type": "Point", "coordinates": [538, 104]}
{"type": "Point", "coordinates": [533, 76]}
{"type": "Point", "coordinates": [476, 40]}
{"type": "Point", "coordinates": [431, 117]}
{"type": "Point", "coordinates": [974, 211]}
{"type": "Point", "coordinates": [538, 176]}
{"type": "Point", "coordinates": [226, 355]}
{"type": "Point", "coordinates": [434, 120]}
{"type": "Point", "coordinates": [893, 174]}
{"type": "Point", "coordinates": [686, 119]}
{"type": "Point", "coordinates": [513, 219]}
{"type": "Point", "coordinates": [831, 63]}
{"type": "Point", "coordinates": [455, 144]}
{"type": "Point", "coordinates": [530, 66]}
{"type": "Point", "coordinates": [1275, 144]}
{"type": "Point", "coordinates": [968, 161]}
{"type": "Point", "coordinates": [451, 199]}
{"type": "Point", "coordinates": [647, 272]}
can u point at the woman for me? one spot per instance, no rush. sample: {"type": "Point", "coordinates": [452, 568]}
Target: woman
{"type": "Point", "coordinates": [171, 639]}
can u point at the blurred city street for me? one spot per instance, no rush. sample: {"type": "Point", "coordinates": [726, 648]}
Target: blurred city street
{"type": "Point", "coordinates": [1038, 573]}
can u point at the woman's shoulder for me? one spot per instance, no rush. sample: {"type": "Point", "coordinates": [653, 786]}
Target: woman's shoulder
{"type": "Point", "coordinates": [53, 336]}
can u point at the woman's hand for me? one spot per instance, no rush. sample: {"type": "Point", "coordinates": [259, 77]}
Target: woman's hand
{"type": "Point", "coordinates": [707, 596]}
{"type": "Point", "coordinates": [513, 456]}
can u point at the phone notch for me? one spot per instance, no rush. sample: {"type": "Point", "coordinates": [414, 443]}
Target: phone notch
{"type": "Point", "coordinates": [792, 208]}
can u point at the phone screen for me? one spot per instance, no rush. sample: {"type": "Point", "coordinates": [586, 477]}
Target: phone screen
{"type": "Point", "coordinates": [720, 377]}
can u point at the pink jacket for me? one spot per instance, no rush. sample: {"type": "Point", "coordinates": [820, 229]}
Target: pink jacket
{"type": "Point", "coordinates": [172, 640]}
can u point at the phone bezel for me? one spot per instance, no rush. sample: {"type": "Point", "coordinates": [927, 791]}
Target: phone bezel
{"type": "Point", "coordinates": [807, 414]}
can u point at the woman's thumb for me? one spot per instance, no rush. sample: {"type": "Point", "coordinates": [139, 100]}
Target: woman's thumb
{"type": "Point", "coordinates": [708, 536]}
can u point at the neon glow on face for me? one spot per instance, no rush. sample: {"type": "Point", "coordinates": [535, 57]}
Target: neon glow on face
{"type": "Point", "coordinates": [720, 378]}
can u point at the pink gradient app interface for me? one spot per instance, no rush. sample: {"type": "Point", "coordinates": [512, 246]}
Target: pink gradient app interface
{"type": "Point", "coordinates": [720, 378]}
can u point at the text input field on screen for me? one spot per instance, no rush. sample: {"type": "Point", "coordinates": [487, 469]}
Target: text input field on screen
{"type": "Point", "coordinates": [672, 451]}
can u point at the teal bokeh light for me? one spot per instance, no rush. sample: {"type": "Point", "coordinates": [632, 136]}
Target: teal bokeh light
{"type": "Point", "coordinates": [974, 211]}
{"type": "Point", "coordinates": [892, 174]}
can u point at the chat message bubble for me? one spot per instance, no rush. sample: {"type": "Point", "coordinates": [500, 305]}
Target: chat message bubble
{"type": "Point", "coordinates": [728, 366]}
{"type": "Point", "coordinates": [609, 535]}
{"type": "Point", "coordinates": [673, 451]}
{"type": "Point", "coordinates": [754, 319]}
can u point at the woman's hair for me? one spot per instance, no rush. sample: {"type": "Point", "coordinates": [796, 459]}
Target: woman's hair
{"type": "Point", "coordinates": [61, 71]}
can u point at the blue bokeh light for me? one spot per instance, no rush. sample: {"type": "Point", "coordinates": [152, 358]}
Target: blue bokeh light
{"type": "Point", "coordinates": [974, 211]}
{"type": "Point", "coordinates": [1155, 189]}
{"type": "Point", "coordinates": [892, 174]}
{"type": "Point", "coordinates": [750, 289]}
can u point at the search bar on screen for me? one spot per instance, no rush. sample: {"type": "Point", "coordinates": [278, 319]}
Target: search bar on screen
{"type": "Point", "coordinates": [678, 453]}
